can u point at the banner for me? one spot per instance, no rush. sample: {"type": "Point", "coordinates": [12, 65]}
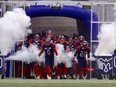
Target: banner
{"type": "Point", "coordinates": [1, 66]}
{"type": "Point", "coordinates": [114, 64]}
{"type": "Point", "coordinates": [105, 65]}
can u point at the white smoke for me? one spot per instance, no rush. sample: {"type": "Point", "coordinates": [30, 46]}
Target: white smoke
{"type": "Point", "coordinates": [69, 62]}
{"type": "Point", "coordinates": [107, 40]}
{"type": "Point", "coordinates": [63, 56]}
{"type": "Point", "coordinates": [22, 55]}
{"type": "Point", "coordinates": [28, 55]}
{"type": "Point", "coordinates": [57, 59]}
{"type": "Point", "coordinates": [13, 27]}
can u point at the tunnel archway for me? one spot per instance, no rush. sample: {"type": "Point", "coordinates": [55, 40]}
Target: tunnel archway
{"type": "Point", "coordinates": [82, 16]}
{"type": "Point", "coordinates": [75, 12]}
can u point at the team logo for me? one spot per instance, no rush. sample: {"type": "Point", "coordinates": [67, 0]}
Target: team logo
{"type": "Point", "coordinates": [105, 64]}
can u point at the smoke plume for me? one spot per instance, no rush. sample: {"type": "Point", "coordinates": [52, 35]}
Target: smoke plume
{"type": "Point", "coordinates": [106, 39]}
{"type": "Point", "coordinates": [13, 27]}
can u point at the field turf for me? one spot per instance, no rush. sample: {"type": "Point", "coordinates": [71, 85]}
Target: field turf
{"type": "Point", "coordinates": [56, 83]}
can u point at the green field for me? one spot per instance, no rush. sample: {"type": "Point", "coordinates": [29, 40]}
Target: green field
{"type": "Point", "coordinates": [56, 83]}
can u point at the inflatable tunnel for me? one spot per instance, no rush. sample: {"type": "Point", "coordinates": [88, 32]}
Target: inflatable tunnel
{"type": "Point", "coordinates": [75, 12]}
{"type": "Point", "coordinates": [72, 12]}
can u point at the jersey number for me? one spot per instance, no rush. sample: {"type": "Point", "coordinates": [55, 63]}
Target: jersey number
{"type": "Point", "coordinates": [48, 52]}
{"type": "Point", "coordinates": [82, 54]}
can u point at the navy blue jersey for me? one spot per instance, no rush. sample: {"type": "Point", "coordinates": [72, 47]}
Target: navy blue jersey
{"type": "Point", "coordinates": [49, 50]}
{"type": "Point", "coordinates": [83, 52]}
{"type": "Point", "coordinates": [72, 48]}
{"type": "Point", "coordinates": [38, 43]}
{"type": "Point", "coordinates": [82, 56]}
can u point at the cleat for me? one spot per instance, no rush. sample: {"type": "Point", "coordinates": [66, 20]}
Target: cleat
{"type": "Point", "coordinates": [58, 77]}
{"type": "Point", "coordinates": [38, 77]}
{"type": "Point", "coordinates": [84, 77]}
{"type": "Point", "coordinates": [74, 76]}
{"type": "Point", "coordinates": [65, 77]}
{"type": "Point", "coordinates": [48, 77]}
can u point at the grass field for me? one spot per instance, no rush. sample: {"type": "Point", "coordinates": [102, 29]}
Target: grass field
{"type": "Point", "coordinates": [56, 83]}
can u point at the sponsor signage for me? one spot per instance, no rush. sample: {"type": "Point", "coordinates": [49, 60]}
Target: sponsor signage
{"type": "Point", "coordinates": [106, 64]}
